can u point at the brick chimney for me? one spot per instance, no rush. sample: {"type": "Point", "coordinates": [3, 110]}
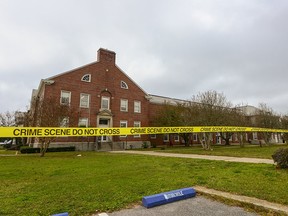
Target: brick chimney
{"type": "Point", "coordinates": [107, 56]}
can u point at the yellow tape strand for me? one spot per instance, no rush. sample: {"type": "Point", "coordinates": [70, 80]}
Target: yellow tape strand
{"type": "Point", "coordinates": [66, 132]}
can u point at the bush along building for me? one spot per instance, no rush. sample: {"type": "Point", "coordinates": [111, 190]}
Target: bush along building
{"type": "Point", "coordinates": [100, 95]}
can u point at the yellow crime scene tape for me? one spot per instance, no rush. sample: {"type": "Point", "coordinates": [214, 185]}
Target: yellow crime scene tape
{"type": "Point", "coordinates": [117, 131]}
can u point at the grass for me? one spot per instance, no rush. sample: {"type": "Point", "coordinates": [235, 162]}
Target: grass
{"type": "Point", "coordinates": [7, 152]}
{"type": "Point", "coordinates": [97, 182]}
{"type": "Point", "coordinates": [252, 151]}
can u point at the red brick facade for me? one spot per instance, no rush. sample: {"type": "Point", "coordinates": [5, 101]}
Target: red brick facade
{"type": "Point", "coordinates": [95, 92]}
{"type": "Point", "coordinates": [104, 79]}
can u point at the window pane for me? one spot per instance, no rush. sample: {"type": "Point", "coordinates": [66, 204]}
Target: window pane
{"type": "Point", "coordinates": [123, 124]}
{"type": "Point", "coordinates": [124, 105]}
{"type": "Point", "coordinates": [83, 122]}
{"type": "Point", "coordinates": [65, 97]}
{"type": "Point", "coordinates": [64, 122]}
{"type": "Point", "coordinates": [86, 78]}
{"type": "Point", "coordinates": [84, 100]}
{"type": "Point", "coordinates": [124, 85]}
{"type": "Point", "coordinates": [105, 102]}
{"type": "Point", "coordinates": [137, 124]}
{"type": "Point", "coordinates": [137, 106]}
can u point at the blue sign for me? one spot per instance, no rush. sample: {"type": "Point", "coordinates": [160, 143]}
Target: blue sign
{"type": "Point", "coordinates": [168, 197]}
{"type": "Point", "coordinates": [61, 214]}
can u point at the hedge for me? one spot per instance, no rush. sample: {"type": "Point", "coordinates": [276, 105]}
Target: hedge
{"type": "Point", "coordinates": [37, 150]}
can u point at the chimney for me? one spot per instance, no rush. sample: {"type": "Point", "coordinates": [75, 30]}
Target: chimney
{"type": "Point", "coordinates": [106, 56]}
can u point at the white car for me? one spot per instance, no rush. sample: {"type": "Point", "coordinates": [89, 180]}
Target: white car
{"type": "Point", "coordinates": [6, 142]}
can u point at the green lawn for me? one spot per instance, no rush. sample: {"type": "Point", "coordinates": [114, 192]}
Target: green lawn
{"type": "Point", "coordinates": [7, 152]}
{"type": "Point", "coordinates": [64, 182]}
{"type": "Point", "coordinates": [252, 151]}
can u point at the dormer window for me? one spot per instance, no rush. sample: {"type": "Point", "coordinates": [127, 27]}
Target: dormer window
{"type": "Point", "coordinates": [124, 85]}
{"type": "Point", "coordinates": [86, 78]}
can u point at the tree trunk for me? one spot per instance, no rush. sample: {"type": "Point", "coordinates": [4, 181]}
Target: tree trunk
{"type": "Point", "coordinates": [240, 139]}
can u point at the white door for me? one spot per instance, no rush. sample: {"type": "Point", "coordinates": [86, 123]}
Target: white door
{"type": "Point", "coordinates": [103, 123]}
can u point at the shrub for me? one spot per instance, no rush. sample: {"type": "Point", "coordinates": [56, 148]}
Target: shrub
{"type": "Point", "coordinates": [145, 145]}
{"type": "Point", "coordinates": [37, 150]}
{"type": "Point", "coordinates": [28, 150]}
{"type": "Point", "coordinates": [280, 157]}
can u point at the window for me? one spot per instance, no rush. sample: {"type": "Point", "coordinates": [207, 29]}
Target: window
{"type": "Point", "coordinates": [166, 138]}
{"type": "Point", "coordinates": [124, 105]}
{"type": "Point", "coordinates": [105, 103]}
{"type": "Point", "coordinates": [254, 134]}
{"type": "Point", "coordinates": [65, 97]}
{"type": "Point", "coordinates": [137, 124]}
{"type": "Point", "coordinates": [84, 100]}
{"type": "Point", "coordinates": [64, 122]}
{"type": "Point", "coordinates": [176, 138]}
{"type": "Point", "coordinates": [123, 124]}
{"type": "Point", "coordinates": [195, 137]}
{"type": "Point", "coordinates": [153, 136]}
{"type": "Point", "coordinates": [83, 122]}
{"type": "Point", "coordinates": [137, 106]}
{"type": "Point", "coordinates": [124, 85]}
{"type": "Point", "coordinates": [86, 78]}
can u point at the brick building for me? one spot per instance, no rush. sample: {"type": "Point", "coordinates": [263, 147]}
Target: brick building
{"type": "Point", "coordinates": [103, 96]}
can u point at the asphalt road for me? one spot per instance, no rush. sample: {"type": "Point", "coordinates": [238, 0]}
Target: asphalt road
{"type": "Point", "coordinates": [197, 206]}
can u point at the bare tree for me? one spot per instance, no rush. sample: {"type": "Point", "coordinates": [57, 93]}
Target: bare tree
{"type": "Point", "coordinates": [173, 115]}
{"type": "Point", "coordinates": [212, 108]}
{"type": "Point", "coordinates": [266, 118]}
{"type": "Point", "coordinates": [50, 113]}
{"type": "Point", "coordinates": [7, 119]}
{"type": "Point", "coordinates": [284, 125]}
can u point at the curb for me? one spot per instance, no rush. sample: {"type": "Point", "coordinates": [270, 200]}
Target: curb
{"type": "Point", "coordinates": [244, 199]}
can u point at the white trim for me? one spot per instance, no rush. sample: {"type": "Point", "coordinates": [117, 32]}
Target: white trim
{"type": "Point", "coordinates": [83, 120]}
{"type": "Point", "coordinates": [123, 85]}
{"type": "Point", "coordinates": [137, 124]}
{"type": "Point", "coordinates": [124, 102]}
{"type": "Point", "coordinates": [105, 98]}
{"type": "Point", "coordinates": [83, 79]}
{"type": "Point", "coordinates": [139, 106]}
{"type": "Point", "coordinates": [126, 125]}
{"type": "Point", "coordinates": [69, 97]}
{"type": "Point", "coordinates": [88, 100]}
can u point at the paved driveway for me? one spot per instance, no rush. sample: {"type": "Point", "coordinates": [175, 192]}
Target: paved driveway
{"type": "Point", "coordinates": [197, 206]}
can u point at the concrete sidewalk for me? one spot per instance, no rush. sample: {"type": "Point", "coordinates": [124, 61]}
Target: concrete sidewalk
{"type": "Point", "coordinates": [195, 156]}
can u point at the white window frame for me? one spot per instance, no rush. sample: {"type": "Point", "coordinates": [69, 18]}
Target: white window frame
{"type": "Point", "coordinates": [176, 138]}
{"type": "Point", "coordinates": [65, 95]}
{"type": "Point", "coordinates": [83, 102]}
{"type": "Point", "coordinates": [166, 137]}
{"type": "Point", "coordinates": [195, 137]}
{"type": "Point", "coordinates": [137, 106]}
{"type": "Point", "coordinates": [153, 136]}
{"type": "Point", "coordinates": [105, 98]}
{"type": "Point", "coordinates": [64, 122]}
{"type": "Point", "coordinates": [137, 124]}
{"type": "Point", "coordinates": [123, 123]}
{"type": "Point", "coordinates": [83, 120]}
{"type": "Point", "coordinates": [84, 78]}
{"type": "Point", "coordinates": [123, 85]}
{"type": "Point", "coordinates": [124, 105]}
{"type": "Point", "coordinates": [255, 135]}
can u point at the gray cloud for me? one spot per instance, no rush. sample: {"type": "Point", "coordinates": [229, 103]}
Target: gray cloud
{"type": "Point", "coordinates": [170, 48]}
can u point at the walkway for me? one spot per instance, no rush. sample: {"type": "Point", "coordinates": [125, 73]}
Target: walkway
{"type": "Point", "coordinates": [195, 156]}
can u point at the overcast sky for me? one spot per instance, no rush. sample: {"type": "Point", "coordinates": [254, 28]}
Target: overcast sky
{"type": "Point", "coordinates": [170, 48]}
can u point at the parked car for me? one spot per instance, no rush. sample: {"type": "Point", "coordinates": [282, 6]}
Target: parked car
{"type": "Point", "coordinates": [6, 142]}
